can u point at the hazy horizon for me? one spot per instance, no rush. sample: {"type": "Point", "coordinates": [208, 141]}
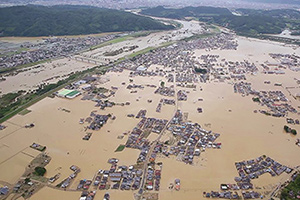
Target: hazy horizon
{"type": "Point", "coordinates": [121, 4]}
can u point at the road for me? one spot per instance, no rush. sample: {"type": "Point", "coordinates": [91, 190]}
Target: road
{"type": "Point", "coordinates": [154, 143]}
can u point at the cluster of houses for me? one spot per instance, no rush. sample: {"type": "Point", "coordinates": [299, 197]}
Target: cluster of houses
{"type": "Point", "coordinates": [137, 138]}
{"type": "Point", "coordinates": [85, 195]}
{"type": "Point", "coordinates": [26, 186]}
{"type": "Point", "coordinates": [104, 104]}
{"type": "Point", "coordinates": [90, 91]}
{"type": "Point", "coordinates": [244, 88]}
{"type": "Point", "coordinates": [292, 121]}
{"type": "Point", "coordinates": [252, 169]}
{"type": "Point", "coordinates": [97, 121]}
{"type": "Point", "coordinates": [141, 114]}
{"type": "Point", "coordinates": [134, 86]}
{"type": "Point", "coordinates": [165, 91]}
{"type": "Point", "coordinates": [188, 76]}
{"type": "Point", "coordinates": [272, 68]}
{"type": "Point", "coordinates": [249, 170]}
{"type": "Point", "coordinates": [275, 101]}
{"type": "Point", "coordinates": [51, 48]}
{"type": "Point", "coordinates": [192, 139]}
{"type": "Point", "coordinates": [221, 195]}
{"type": "Point", "coordinates": [117, 177]}
{"type": "Point", "coordinates": [180, 58]}
{"type": "Point", "coordinates": [182, 95]}
{"type": "Point", "coordinates": [251, 195]}
{"type": "Point", "coordinates": [291, 61]}
{"type": "Point", "coordinates": [153, 176]}
{"type": "Point", "coordinates": [241, 68]}
{"type": "Point", "coordinates": [67, 182]}
{"type": "Point", "coordinates": [163, 102]}
{"type": "Point", "coordinates": [226, 70]}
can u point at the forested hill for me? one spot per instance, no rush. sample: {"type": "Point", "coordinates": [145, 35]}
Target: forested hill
{"type": "Point", "coordinates": [185, 12]}
{"type": "Point", "coordinates": [247, 22]}
{"type": "Point", "coordinates": [70, 20]}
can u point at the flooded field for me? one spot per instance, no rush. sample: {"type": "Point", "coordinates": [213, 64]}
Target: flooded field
{"type": "Point", "coordinates": [245, 133]}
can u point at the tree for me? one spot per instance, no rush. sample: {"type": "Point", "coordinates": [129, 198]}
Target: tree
{"type": "Point", "coordinates": [255, 99]}
{"type": "Point", "coordinates": [27, 180]}
{"type": "Point", "coordinates": [40, 171]}
{"type": "Point", "coordinates": [201, 70]}
{"type": "Point", "coordinates": [162, 84]}
{"type": "Point", "coordinates": [294, 132]}
{"type": "Point", "coordinates": [286, 128]}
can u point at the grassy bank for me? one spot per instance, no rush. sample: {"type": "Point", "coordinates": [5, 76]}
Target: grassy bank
{"type": "Point", "coordinates": [122, 39]}
{"type": "Point", "coordinates": [117, 40]}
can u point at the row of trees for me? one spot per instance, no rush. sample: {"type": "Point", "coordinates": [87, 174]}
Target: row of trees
{"type": "Point", "coordinates": [290, 130]}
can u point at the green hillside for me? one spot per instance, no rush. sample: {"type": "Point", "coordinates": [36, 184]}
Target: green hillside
{"type": "Point", "coordinates": [250, 22]}
{"type": "Point", "coordinates": [185, 12]}
{"type": "Point", "coordinates": [70, 20]}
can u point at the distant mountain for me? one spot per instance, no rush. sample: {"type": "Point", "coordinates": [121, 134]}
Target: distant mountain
{"type": "Point", "coordinates": [129, 4]}
{"type": "Point", "coordinates": [70, 20]}
{"type": "Point", "coordinates": [249, 22]}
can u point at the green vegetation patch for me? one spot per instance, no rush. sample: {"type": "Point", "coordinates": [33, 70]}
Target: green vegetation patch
{"type": "Point", "coordinates": [256, 99]}
{"type": "Point", "coordinates": [117, 40]}
{"type": "Point", "coordinates": [200, 36]}
{"type": "Point", "coordinates": [39, 171]}
{"type": "Point", "coordinates": [201, 70]}
{"type": "Point", "coordinates": [148, 49]}
{"type": "Point", "coordinates": [292, 190]}
{"type": "Point", "coordinates": [289, 130]}
{"type": "Point", "coordinates": [121, 147]}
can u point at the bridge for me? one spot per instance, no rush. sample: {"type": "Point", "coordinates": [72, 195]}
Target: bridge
{"type": "Point", "coordinates": [91, 61]}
